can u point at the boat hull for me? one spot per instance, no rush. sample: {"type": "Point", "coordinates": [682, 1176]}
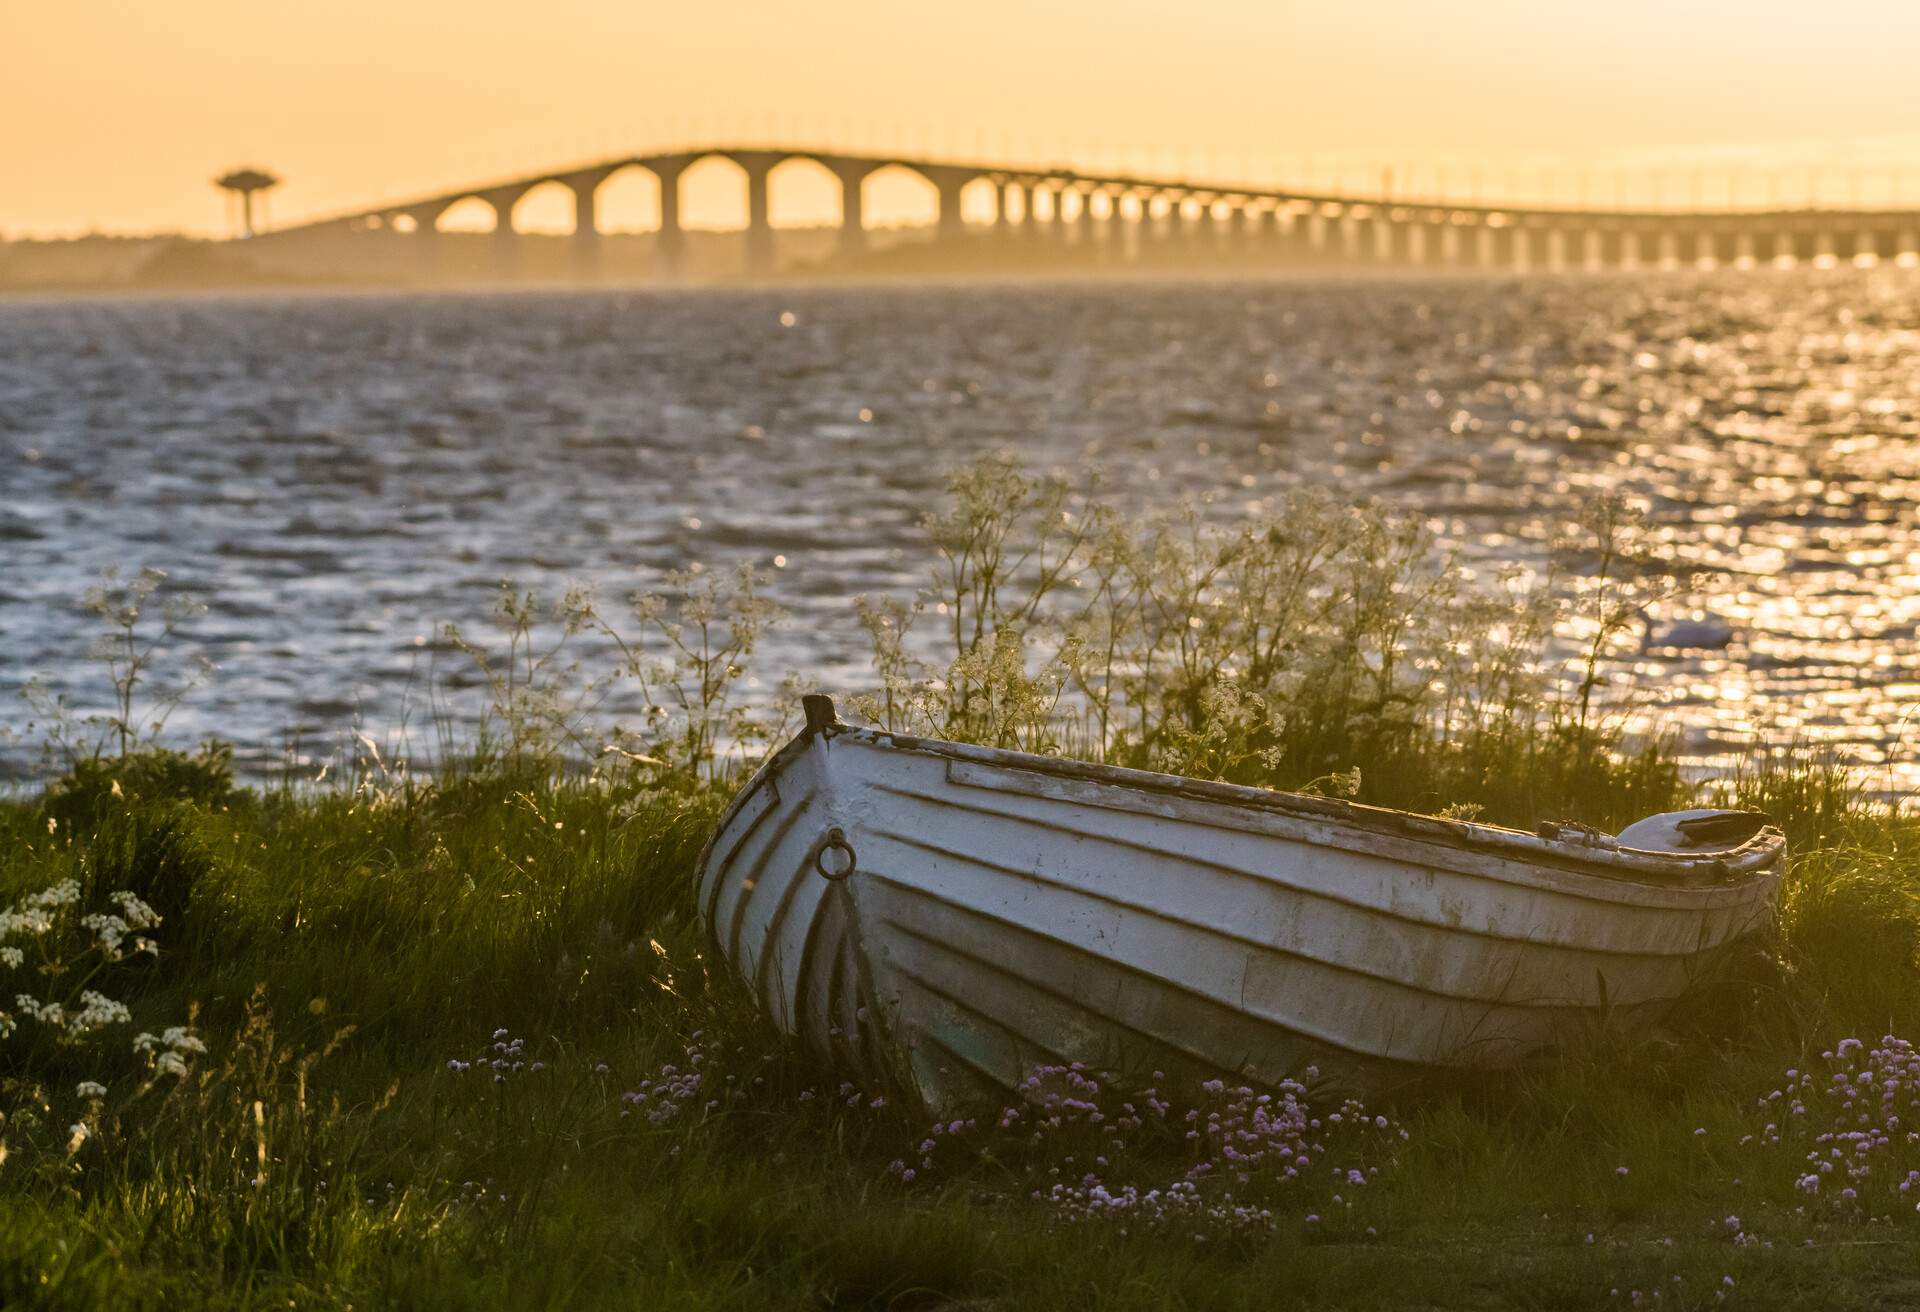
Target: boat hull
{"type": "Point", "coordinates": [957, 916]}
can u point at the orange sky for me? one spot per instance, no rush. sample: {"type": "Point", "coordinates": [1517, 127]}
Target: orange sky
{"type": "Point", "coordinates": [117, 112]}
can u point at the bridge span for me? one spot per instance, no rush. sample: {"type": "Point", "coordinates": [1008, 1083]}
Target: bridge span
{"type": "Point", "coordinates": [1127, 218]}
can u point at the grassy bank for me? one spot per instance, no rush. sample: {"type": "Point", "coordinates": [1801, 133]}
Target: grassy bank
{"type": "Point", "coordinates": [356, 962]}
{"type": "Point", "coordinates": [450, 1037]}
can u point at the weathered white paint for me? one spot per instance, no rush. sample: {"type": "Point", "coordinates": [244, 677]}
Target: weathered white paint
{"type": "Point", "coordinates": [1010, 910]}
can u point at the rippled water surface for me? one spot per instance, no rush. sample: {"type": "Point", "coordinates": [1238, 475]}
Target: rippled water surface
{"type": "Point", "coordinates": [340, 476]}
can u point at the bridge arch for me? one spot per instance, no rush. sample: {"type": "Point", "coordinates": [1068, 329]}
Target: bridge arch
{"type": "Point", "coordinates": [628, 200]}
{"type": "Point", "coordinates": [468, 213]}
{"type": "Point", "coordinates": [802, 192]}
{"type": "Point", "coordinates": [545, 208]}
{"type": "Point", "coordinates": [979, 201]}
{"type": "Point", "coordinates": [898, 196]}
{"type": "Point", "coordinates": [713, 193]}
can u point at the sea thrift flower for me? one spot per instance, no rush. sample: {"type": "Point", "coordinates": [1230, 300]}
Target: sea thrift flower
{"type": "Point", "coordinates": [1072, 1138]}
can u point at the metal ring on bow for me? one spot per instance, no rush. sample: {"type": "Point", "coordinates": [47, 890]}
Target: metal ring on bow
{"type": "Point", "coordinates": [835, 841]}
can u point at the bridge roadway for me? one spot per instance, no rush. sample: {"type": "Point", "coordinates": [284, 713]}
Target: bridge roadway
{"type": "Point", "coordinates": [1325, 226]}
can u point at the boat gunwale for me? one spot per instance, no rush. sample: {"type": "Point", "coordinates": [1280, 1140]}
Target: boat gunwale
{"type": "Point", "coordinates": [1754, 858]}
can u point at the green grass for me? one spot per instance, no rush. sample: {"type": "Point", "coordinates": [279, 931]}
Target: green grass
{"type": "Point", "coordinates": [339, 950]}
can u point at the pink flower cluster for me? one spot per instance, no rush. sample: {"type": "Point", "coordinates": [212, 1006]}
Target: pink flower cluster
{"type": "Point", "coordinates": [1858, 1122]}
{"type": "Point", "coordinates": [1226, 1162]}
{"type": "Point", "coordinates": [671, 1089]}
{"type": "Point", "coordinates": [505, 1058]}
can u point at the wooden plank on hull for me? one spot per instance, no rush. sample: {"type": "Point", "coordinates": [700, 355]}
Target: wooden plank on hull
{"type": "Point", "coordinates": [1463, 857]}
{"type": "Point", "coordinates": [736, 827]}
{"type": "Point", "coordinates": [1370, 1017]}
{"type": "Point", "coordinates": [1266, 917]}
{"type": "Point", "coordinates": [760, 884]}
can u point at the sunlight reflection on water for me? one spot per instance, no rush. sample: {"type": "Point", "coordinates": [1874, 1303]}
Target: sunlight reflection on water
{"type": "Point", "coordinates": [341, 475]}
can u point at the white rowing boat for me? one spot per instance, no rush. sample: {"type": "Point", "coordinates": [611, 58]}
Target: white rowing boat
{"type": "Point", "coordinates": [960, 915]}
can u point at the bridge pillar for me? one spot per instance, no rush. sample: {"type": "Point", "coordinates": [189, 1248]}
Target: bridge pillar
{"type": "Point", "coordinates": [1417, 252]}
{"type": "Point", "coordinates": [1555, 256]}
{"type": "Point", "coordinates": [759, 224]}
{"type": "Point", "coordinates": [1154, 227]}
{"type": "Point", "coordinates": [1483, 244]}
{"type": "Point", "coordinates": [1057, 216]}
{"type": "Point", "coordinates": [1592, 252]}
{"type": "Point", "coordinates": [853, 213]}
{"type": "Point", "coordinates": [1521, 256]}
{"type": "Point", "coordinates": [853, 209]}
{"type": "Point", "coordinates": [506, 241]}
{"type": "Point", "coordinates": [1385, 230]}
{"type": "Point", "coordinates": [950, 183]}
{"type": "Point", "coordinates": [1271, 234]}
{"type": "Point", "coordinates": [1349, 235]}
{"type": "Point", "coordinates": [1296, 233]}
{"type": "Point", "coordinates": [586, 227]}
{"type": "Point", "coordinates": [429, 248]}
{"type": "Point", "coordinates": [670, 244]}
{"type": "Point", "coordinates": [951, 222]}
{"type": "Point", "coordinates": [1084, 220]}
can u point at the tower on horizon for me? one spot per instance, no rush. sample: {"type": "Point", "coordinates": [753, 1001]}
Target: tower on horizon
{"type": "Point", "coordinates": [244, 184]}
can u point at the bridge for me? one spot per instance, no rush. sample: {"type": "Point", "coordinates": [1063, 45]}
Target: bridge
{"type": "Point", "coordinates": [1113, 217]}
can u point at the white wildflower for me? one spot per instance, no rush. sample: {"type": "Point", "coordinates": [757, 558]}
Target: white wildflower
{"type": "Point", "coordinates": [97, 1010]}
{"type": "Point", "coordinates": [50, 1013]}
{"type": "Point", "coordinates": [168, 1051]}
{"type": "Point", "coordinates": [90, 1089]}
{"type": "Point", "coordinates": [64, 893]}
{"type": "Point", "coordinates": [108, 931]}
{"type": "Point", "coordinates": [136, 913]}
